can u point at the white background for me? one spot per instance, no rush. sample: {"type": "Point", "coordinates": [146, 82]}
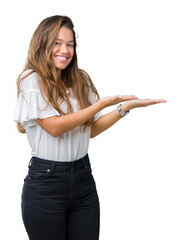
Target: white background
{"type": "Point", "coordinates": [127, 47]}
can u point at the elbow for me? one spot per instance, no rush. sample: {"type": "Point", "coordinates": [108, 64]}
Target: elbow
{"type": "Point", "coordinates": [54, 133]}
{"type": "Point", "coordinates": [50, 126]}
{"type": "Point", "coordinates": [93, 134]}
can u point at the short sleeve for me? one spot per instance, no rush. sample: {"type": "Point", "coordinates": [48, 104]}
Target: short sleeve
{"type": "Point", "coordinates": [31, 104]}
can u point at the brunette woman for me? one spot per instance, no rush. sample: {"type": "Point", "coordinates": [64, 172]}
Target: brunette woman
{"type": "Point", "coordinates": [59, 109]}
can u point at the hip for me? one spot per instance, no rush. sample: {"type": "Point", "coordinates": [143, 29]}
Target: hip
{"type": "Point", "coordinates": [61, 182]}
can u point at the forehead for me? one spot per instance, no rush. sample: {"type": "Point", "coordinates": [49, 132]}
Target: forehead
{"type": "Point", "coordinates": [65, 34]}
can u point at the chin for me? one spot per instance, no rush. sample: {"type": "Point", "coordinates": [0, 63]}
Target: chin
{"type": "Point", "coordinates": [60, 68]}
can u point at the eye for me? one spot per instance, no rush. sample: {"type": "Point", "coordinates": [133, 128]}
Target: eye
{"type": "Point", "coordinates": [70, 45]}
{"type": "Point", "coordinates": [58, 43]}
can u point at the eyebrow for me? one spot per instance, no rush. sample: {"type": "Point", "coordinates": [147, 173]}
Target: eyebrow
{"type": "Point", "coordinates": [62, 40]}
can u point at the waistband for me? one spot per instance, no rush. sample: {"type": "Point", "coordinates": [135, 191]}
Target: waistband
{"type": "Point", "coordinates": [36, 162]}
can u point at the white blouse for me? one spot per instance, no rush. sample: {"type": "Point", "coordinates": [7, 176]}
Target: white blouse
{"type": "Point", "coordinates": [69, 146]}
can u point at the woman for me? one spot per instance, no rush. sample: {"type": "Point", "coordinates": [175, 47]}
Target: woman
{"type": "Point", "coordinates": [59, 108]}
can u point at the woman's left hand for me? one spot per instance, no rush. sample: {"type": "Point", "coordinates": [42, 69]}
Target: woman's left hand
{"type": "Point", "coordinates": [107, 120]}
{"type": "Point", "coordinates": [128, 105]}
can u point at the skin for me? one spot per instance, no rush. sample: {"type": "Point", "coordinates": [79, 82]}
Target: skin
{"type": "Point", "coordinates": [64, 48]}
{"type": "Point", "coordinates": [58, 125]}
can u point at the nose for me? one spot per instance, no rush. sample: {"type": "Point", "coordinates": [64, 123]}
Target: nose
{"type": "Point", "coordinates": [63, 48]}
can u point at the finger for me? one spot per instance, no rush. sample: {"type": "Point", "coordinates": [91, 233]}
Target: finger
{"type": "Point", "coordinates": [127, 97]}
{"type": "Point", "coordinates": [161, 101]}
{"type": "Point", "coordinates": [158, 100]}
{"type": "Point", "coordinates": [154, 101]}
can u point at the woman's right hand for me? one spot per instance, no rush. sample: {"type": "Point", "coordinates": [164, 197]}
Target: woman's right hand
{"type": "Point", "coordinates": [113, 100]}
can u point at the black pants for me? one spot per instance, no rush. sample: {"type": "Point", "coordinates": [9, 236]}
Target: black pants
{"type": "Point", "coordinates": [60, 201]}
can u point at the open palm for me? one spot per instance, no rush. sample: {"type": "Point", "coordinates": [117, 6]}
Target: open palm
{"type": "Point", "coordinates": [141, 103]}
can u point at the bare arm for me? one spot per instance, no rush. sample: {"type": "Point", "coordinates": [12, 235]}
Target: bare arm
{"type": "Point", "coordinates": [58, 125]}
{"type": "Point", "coordinates": [111, 118]}
{"type": "Point", "coordinates": [104, 122]}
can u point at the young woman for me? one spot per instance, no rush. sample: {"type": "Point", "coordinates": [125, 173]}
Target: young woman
{"type": "Point", "coordinates": [59, 108]}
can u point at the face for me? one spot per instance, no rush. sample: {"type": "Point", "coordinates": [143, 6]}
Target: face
{"type": "Point", "coordinates": [63, 50]}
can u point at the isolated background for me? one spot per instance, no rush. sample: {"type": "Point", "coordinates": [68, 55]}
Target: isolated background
{"type": "Point", "coordinates": [127, 47]}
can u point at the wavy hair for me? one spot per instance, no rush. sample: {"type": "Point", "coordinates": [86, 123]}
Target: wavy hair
{"type": "Point", "coordinates": [52, 84]}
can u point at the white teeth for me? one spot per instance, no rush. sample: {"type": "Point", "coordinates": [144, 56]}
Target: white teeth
{"type": "Point", "coordinates": [62, 58]}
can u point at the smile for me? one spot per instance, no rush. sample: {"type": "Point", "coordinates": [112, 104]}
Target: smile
{"type": "Point", "coordinates": [61, 59]}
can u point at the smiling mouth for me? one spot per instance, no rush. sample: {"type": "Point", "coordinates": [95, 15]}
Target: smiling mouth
{"type": "Point", "coordinates": [61, 59]}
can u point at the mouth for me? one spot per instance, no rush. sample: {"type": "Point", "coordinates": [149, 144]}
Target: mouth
{"type": "Point", "coordinates": [60, 58]}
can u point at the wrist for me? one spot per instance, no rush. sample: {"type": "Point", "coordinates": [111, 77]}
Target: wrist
{"type": "Point", "coordinates": [125, 107]}
{"type": "Point", "coordinates": [122, 111]}
{"type": "Point", "coordinates": [99, 105]}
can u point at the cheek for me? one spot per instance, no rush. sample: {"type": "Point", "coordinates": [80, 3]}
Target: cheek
{"type": "Point", "coordinates": [55, 49]}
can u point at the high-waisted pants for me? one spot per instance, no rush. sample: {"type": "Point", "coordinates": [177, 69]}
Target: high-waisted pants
{"type": "Point", "coordinates": [60, 200]}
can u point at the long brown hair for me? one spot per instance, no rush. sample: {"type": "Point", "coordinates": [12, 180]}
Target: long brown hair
{"type": "Point", "coordinates": [52, 84]}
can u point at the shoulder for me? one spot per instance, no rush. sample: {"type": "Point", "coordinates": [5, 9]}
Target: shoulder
{"type": "Point", "coordinates": [29, 80]}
